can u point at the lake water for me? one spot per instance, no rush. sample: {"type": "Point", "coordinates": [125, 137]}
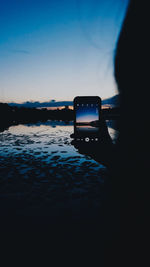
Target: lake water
{"type": "Point", "coordinates": [39, 166]}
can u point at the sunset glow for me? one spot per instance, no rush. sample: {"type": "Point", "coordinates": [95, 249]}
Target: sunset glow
{"type": "Point", "coordinates": [58, 49]}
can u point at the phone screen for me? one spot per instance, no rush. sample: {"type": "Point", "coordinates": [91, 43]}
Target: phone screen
{"type": "Point", "coordinates": [87, 116]}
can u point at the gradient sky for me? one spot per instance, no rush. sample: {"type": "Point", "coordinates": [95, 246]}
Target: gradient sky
{"type": "Point", "coordinates": [86, 114]}
{"type": "Point", "coordinates": [58, 49]}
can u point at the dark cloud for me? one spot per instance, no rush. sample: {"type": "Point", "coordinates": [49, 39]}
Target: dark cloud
{"type": "Point", "coordinates": [51, 103]}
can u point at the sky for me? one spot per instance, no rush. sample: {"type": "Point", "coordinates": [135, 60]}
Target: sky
{"type": "Point", "coordinates": [58, 49]}
{"type": "Point", "coordinates": [86, 114]}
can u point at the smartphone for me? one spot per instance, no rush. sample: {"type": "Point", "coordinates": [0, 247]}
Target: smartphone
{"type": "Point", "coordinates": [87, 114]}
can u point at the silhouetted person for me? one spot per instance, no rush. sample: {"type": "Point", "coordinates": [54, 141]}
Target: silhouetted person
{"type": "Point", "coordinates": [128, 160]}
{"type": "Point", "coordinates": [131, 74]}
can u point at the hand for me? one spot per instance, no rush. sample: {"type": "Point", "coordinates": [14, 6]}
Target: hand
{"type": "Point", "coordinates": [101, 151]}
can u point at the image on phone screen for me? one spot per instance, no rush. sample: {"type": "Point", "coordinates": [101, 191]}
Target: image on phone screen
{"type": "Point", "coordinates": [87, 118]}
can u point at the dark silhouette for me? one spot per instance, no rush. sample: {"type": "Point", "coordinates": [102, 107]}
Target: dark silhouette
{"type": "Point", "coordinates": [128, 160]}
{"type": "Point", "coordinates": [22, 115]}
{"type": "Point", "coordinates": [131, 166]}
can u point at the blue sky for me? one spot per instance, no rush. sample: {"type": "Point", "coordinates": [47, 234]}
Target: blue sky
{"type": "Point", "coordinates": [58, 49]}
{"type": "Point", "coordinates": [86, 114]}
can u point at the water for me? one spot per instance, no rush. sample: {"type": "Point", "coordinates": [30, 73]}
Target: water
{"type": "Point", "coordinates": [38, 165]}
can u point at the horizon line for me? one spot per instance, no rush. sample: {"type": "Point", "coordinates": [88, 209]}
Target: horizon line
{"type": "Point", "coordinates": [52, 101]}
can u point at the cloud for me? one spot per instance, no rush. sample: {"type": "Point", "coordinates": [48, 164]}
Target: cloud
{"type": "Point", "coordinates": [51, 103]}
{"type": "Point", "coordinates": [114, 101]}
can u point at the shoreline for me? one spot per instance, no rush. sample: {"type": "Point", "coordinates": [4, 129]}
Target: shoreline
{"type": "Point", "coordinates": [14, 116]}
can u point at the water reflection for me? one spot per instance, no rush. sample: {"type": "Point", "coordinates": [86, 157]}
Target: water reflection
{"type": "Point", "coordinates": [40, 139]}
{"type": "Point", "coordinates": [40, 159]}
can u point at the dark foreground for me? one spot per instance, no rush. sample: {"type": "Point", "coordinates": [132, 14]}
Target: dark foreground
{"type": "Point", "coordinates": [48, 189]}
